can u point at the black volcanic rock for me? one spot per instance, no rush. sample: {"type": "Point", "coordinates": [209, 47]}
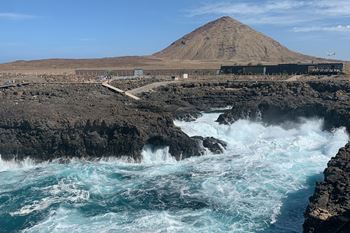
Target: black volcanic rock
{"type": "Point", "coordinates": [281, 102]}
{"type": "Point", "coordinates": [329, 209]}
{"type": "Point", "coordinates": [247, 110]}
{"type": "Point", "coordinates": [58, 121]}
{"type": "Point", "coordinates": [278, 102]}
{"type": "Point", "coordinates": [214, 145]}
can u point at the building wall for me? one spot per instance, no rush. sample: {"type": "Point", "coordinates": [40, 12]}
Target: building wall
{"type": "Point", "coordinates": [91, 72]}
{"type": "Point", "coordinates": [347, 69]}
{"type": "Point", "coordinates": [290, 69]}
{"type": "Point", "coordinates": [162, 72]}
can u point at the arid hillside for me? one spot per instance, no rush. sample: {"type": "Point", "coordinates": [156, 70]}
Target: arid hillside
{"type": "Point", "coordinates": [226, 39]}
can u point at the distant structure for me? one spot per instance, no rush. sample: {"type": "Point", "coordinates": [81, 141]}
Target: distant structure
{"type": "Point", "coordinates": [148, 72]}
{"type": "Point", "coordinates": [138, 72]}
{"type": "Point", "coordinates": [89, 72]}
{"type": "Point", "coordinates": [331, 54]}
{"type": "Point", "coordinates": [289, 69]}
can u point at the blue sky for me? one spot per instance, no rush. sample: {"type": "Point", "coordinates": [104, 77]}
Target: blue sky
{"type": "Point", "coordinates": [35, 29]}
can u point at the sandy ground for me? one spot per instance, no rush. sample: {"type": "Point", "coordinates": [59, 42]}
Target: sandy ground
{"type": "Point", "coordinates": [63, 70]}
{"type": "Point", "coordinates": [68, 66]}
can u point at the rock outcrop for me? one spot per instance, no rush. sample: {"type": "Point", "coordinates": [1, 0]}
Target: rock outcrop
{"type": "Point", "coordinates": [329, 209]}
{"type": "Point", "coordinates": [59, 121]}
{"type": "Point", "coordinates": [214, 145]}
{"type": "Point", "coordinates": [277, 102]}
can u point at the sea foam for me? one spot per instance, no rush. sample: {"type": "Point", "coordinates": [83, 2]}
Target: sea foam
{"type": "Point", "coordinates": [261, 183]}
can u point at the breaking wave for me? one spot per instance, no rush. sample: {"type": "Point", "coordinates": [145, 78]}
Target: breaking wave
{"type": "Point", "coordinates": [260, 184]}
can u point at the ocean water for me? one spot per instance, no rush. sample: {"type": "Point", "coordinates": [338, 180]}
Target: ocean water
{"type": "Point", "coordinates": [260, 184]}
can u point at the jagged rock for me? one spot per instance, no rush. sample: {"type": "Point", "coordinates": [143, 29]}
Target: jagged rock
{"type": "Point", "coordinates": [226, 119]}
{"type": "Point", "coordinates": [89, 121]}
{"type": "Point", "coordinates": [329, 208]}
{"type": "Point", "coordinates": [282, 101]}
{"type": "Point", "coordinates": [85, 121]}
{"type": "Point", "coordinates": [214, 145]}
{"type": "Point", "coordinates": [240, 111]}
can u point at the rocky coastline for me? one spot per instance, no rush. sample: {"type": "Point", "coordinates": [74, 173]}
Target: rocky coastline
{"type": "Point", "coordinates": [277, 102]}
{"type": "Point", "coordinates": [56, 121]}
{"type": "Point", "coordinates": [329, 209]}
{"type": "Point", "coordinates": [62, 121]}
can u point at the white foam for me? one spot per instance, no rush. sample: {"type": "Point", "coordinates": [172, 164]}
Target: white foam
{"type": "Point", "coordinates": [7, 165]}
{"type": "Point", "coordinates": [152, 155]}
{"type": "Point", "coordinates": [66, 190]}
{"type": "Point", "coordinates": [242, 190]}
{"type": "Point", "coordinates": [35, 206]}
{"type": "Point", "coordinates": [273, 161]}
{"type": "Point", "coordinates": [63, 220]}
{"type": "Point", "coordinates": [28, 163]}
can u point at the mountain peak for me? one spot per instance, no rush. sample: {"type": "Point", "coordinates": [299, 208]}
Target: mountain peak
{"type": "Point", "coordinates": [222, 23]}
{"type": "Point", "coordinates": [226, 39]}
{"type": "Point", "coordinates": [225, 19]}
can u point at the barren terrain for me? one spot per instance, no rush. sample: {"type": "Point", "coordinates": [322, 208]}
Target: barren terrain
{"type": "Point", "coordinates": [222, 42]}
{"type": "Point", "coordinates": [68, 66]}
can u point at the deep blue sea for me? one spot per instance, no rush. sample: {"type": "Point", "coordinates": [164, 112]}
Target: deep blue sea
{"type": "Point", "coordinates": [261, 183]}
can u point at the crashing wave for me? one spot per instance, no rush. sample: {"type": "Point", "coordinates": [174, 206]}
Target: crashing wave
{"type": "Point", "coordinates": [261, 182]}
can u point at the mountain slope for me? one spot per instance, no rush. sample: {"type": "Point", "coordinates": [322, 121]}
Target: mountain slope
{"type": "Point", "coordinates": [223, 41]}
{"type": "Point", "coordinates": [226, 39]}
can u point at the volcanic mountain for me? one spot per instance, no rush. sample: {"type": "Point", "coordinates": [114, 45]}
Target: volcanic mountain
{"type": "Point", "coordinates": [223, 41]}
{"type": "Point", "coordinates": [226, 39]}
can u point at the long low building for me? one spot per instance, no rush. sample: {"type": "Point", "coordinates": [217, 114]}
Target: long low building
{"type": "Point", "coordinates": [290, 69]}
{"type": "Point", "coordinates": [89, 72]}
{"type": "Point", "coordinates": [141, 72]}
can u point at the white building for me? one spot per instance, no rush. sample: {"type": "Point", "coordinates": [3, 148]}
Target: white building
{"type": "Point", "coordinates": [138, 72]}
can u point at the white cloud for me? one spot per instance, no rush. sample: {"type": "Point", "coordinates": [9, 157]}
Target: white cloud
{"type": "Point", "coordinates": [15, 16]}
{"type": "Point", "coordinates": [277, 11]}
{"type": "Point", "coordinates": [244, 8]}
{"type": "Point", "coordinates": [335, 8]}
{"type": "Point", "coordinates": [338, 28]}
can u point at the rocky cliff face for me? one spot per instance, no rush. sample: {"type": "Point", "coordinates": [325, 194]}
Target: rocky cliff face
{"type": "Point", "coordinates": [58, 121]}
{"type": "Point", "coordinates": [329, 209]}
{"type": "Point", "coordinates": [96, 139]}
{"type": "Point", "coordinates": [55, 121]}
{"type": "Point", "coordinates": [289, 102]}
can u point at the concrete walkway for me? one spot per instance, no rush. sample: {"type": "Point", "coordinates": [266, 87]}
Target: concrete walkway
{"type": "Point", "coordinates": [128, 94]}
{"type": "Point", "coordinates": [137, 91]}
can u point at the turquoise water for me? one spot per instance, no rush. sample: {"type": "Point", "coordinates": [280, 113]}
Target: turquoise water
{"type": "Point", "coordinates": [260, 184]}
